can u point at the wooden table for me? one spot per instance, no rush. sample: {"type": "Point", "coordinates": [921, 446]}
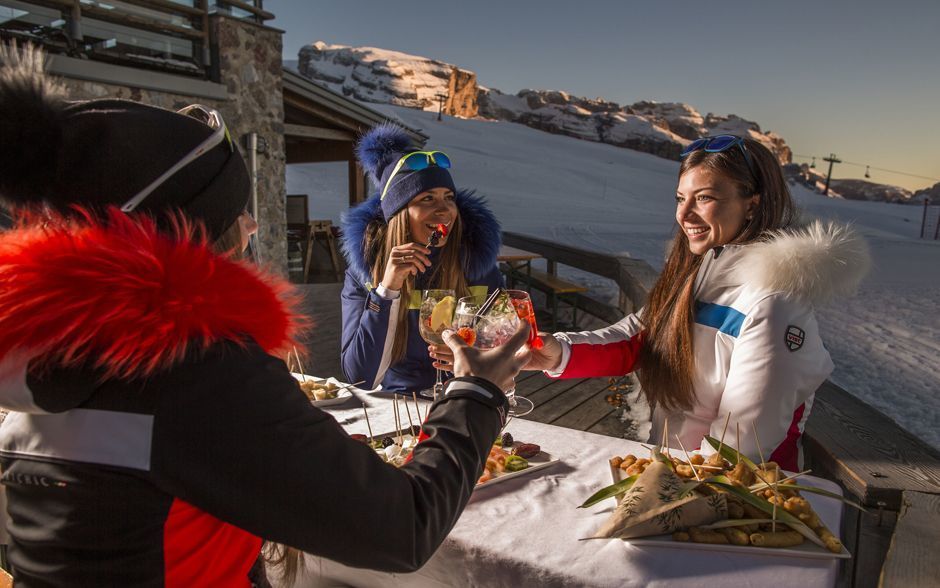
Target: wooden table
{"type": "Point", "coordinates": [528, 531]}
{"type": "Point", "coordinates": [517, 260]}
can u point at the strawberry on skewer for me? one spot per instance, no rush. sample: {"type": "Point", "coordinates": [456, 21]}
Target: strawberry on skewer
{"type": "Point", "coordinates": [440, 231]}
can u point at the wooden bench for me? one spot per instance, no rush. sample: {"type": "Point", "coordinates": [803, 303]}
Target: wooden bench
{"type": "Point", "coordinates": [557, 289]}
{"type": "Point", "coordinates": [893, 474]}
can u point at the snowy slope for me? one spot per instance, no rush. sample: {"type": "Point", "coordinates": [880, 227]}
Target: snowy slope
{"type": "Point", "coordinates": [885, 342]}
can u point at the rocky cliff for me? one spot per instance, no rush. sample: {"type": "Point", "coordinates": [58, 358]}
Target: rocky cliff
{"type": "Point", "coordinates": [389, 77]}
{"type": "Point", "coordinates": [377, 75]}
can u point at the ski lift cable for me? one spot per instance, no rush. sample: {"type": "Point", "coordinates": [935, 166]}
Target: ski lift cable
{"type": "Point", "coordinates": [881, 169]}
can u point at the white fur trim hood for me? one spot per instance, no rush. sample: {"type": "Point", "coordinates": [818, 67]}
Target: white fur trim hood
{"type": "Point", "coordinates": [814, 264]}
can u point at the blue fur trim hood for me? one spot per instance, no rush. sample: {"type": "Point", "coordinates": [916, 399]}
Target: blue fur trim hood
{"type": "Point", "coordinates": [482, 235]}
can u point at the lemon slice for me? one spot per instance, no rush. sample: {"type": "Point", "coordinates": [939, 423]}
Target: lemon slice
{"type": "Point", "coordinates": [443, 313]}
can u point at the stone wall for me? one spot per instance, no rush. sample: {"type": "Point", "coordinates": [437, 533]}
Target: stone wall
{"type": "Point", "coordinates": [250, 68]}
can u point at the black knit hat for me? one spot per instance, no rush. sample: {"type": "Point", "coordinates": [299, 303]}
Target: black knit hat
{"type": "Point", "coordinates": [102, 152]}
{"type": "Point", "coordinates": [379, 151]}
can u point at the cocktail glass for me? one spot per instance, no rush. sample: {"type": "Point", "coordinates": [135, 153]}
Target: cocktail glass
{"type": "Point", "coordinates": [488, 330]}
{"type": "Point", "coordinates": [435, 315]}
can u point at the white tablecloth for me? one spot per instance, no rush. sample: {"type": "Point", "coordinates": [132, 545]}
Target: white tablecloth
{"type": "Point", "coordinates": [526, 532]}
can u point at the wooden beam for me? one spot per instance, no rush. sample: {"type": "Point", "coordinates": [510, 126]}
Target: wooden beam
{"type": "Point", "coordinates": [912, 559]}
{"type": "Point", "coordinates": [321, 112]}
{"type": "Point", "coordinates": [261, 13]}
{"type": "Point", "coordinates": [357, 184]}
{"type": "Point", "coordinates": [167, 6]}
{"type": "Point", "coordinates": [317, 151]}
{"type": "Point", "coordinates": [140, 22]}
{"type": "Point", "coordinates": [308, 132]}
{"type": "Point", "coordinates": [866, 452]}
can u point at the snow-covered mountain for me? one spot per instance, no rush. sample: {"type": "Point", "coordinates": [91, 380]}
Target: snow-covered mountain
{"type": "Point", "coordinates": [389, 77]}
{"type": "Point", "coordinates": [932, 194]}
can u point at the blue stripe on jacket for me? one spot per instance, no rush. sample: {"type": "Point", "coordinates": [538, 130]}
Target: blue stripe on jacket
{"type": "Point", "coordinates": [724, 318]}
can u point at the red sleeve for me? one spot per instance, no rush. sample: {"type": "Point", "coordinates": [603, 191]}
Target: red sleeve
{"type": "Point", "coordinates": [607, 359]}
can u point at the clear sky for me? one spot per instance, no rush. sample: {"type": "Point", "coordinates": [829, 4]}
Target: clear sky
{"type": "Point", "coordinates": [858, 78]}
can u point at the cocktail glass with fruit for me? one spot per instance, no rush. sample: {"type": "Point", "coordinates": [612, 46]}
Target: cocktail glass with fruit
{"type": "Point", "coordinates": [436, 314]}
{"type": "Point", "coordinates": [485, 330]}
{"type": "Point", "coordinates": [523, 305]}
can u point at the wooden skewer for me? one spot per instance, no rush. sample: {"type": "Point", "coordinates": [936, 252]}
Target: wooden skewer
{"type": "Point", "coordinates": [773, 519]}
{"type": "Point", "coordinates": [721, 442]}
{"type": "Point", "coordinates": [414, 396]}
{"type": "Point", "coordinates": [737, 432]}
{"type": "Point", "coordinates": [411, 424]}
{"type": "Point", "coordinates": [397, 418]}
{"type": "Point", "coordinates": [688, 458]}
{"type": "Point", "coordinates": [663, 445]}
{"type": "Point", "coordinates": [300, 366]}
{"type": "Point", "coordinates": [760, 452]}
{"type": "Point", "coordinates": [366, 412]}
{"type": "Point", "coordinates": [787, 479]}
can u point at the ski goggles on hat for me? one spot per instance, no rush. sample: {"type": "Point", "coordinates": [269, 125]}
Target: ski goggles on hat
{"type": "Point", "coordinates": [417, 161]}
{"type": "Point", "coordinates": [720, 143]}
{"type": "Point", "coordinates": [211, 118]}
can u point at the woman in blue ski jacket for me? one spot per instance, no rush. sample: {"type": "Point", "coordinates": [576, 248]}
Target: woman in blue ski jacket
{"type": "Point", "coordinates": [384, 240]}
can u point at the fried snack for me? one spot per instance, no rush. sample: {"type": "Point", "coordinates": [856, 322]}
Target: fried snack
{"type": "Point", "coordinates": [797, 506]}
{"type": "Point", "coordinates": [319, 390]}
{"type": "Point", "coordinates": [628, 461]}
{"type": "Point", "coordinates": [707, 536]}
{"type": "Point", "coordinates": [697, 460]}
{"type": "Point", "coordinates": [685, 471]}
{"type": "Point", "coordinates": [778, 539]}
{"type": "Point", "coordinates": [638, 467]}
{"type": "Point", "coordinates": [681, 536]}
{"type": "Point", "coordinates": [832, 542]}
{"type": "Point", "coordinates": [615, 461]}
{"type": "Point", "coordinates": [741, 475]}
{"type": "Point", "coordinates": [715, 460]}
{"type": "Point", "coordinates": [735, 535]}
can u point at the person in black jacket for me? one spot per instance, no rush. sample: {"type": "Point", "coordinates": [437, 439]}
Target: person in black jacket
{"type": "Point", "coordinates": [154, 436]}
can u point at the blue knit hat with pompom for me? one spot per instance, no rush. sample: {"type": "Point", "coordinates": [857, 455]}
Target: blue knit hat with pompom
{"type": "Point", "coordinates": [379, 151]}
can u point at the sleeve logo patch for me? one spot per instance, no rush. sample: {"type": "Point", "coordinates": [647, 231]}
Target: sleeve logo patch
{"type": "Point", "coordinates": [795, 337]}
{"type": "Point", "coordinates": [374, 307]}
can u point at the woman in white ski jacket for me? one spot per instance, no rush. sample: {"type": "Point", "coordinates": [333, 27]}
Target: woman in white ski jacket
{"type": "Point", "coordinates": [729, 327]}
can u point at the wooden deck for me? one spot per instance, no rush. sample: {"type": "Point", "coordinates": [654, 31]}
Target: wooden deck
{"type": "Point", "coordinates": [576, 404]}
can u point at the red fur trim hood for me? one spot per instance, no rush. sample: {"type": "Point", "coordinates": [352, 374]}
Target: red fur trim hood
{"type": "Point", "coordinates": [130, 300]}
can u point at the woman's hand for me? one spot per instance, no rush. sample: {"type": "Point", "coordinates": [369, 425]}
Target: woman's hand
{"type": "Point", "coordinates": [548, 357]}
{"type": "Point", "coordinates": [500, 365]}
{"type": "Point", "coordinates": [405, 260]}
{"type": "Point", "coordinates": [443, 357]}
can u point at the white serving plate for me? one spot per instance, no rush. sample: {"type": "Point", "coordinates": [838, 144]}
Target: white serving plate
{"type": "Point", "coordinates": [540, 461]}
{"type": "Point", "coordinates": [807, 549]}
{"type": "Point", "coordinates": [341, 397]}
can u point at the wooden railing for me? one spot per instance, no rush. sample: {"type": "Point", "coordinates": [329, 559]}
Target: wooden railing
{"type": "Point", "coordinates": [892, 473]}
{"type": "Point", "coordinates": [634, 277]}
{"type": "Point", "coordinates": [155, 34]}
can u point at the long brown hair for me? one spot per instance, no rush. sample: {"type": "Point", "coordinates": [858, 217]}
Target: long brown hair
{"type": "Point", "coordinates": [667, 355]}
{"type": "Point", "coordinates": [379, 240]}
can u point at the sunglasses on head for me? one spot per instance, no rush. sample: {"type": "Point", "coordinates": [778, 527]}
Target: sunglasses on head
{"type": "Point", "coordinates": [417, 161]}
{"type": "Point", "coordinates": [720, 143]}
{"type": "Point", "coordinates": [209, 117]}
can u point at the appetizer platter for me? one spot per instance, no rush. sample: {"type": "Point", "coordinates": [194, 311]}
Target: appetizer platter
{"type": "Point", "coordinates": [323, 391]}
{"type": "Point", "coordinates": [510, 458]}
{"type": "Point", "coordinates": [722, 502]}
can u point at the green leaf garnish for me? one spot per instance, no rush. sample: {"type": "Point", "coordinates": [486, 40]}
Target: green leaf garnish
{"type": "Point", "coordinates": [730, 454]}
{"type": "Point", "coordinates": [610, 491]}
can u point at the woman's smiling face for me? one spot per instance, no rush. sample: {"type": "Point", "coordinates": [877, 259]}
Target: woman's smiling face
{"type": "Point", "coordinates": [429, 209]}
{"type": "Point", "coordinates": [710, 210]}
